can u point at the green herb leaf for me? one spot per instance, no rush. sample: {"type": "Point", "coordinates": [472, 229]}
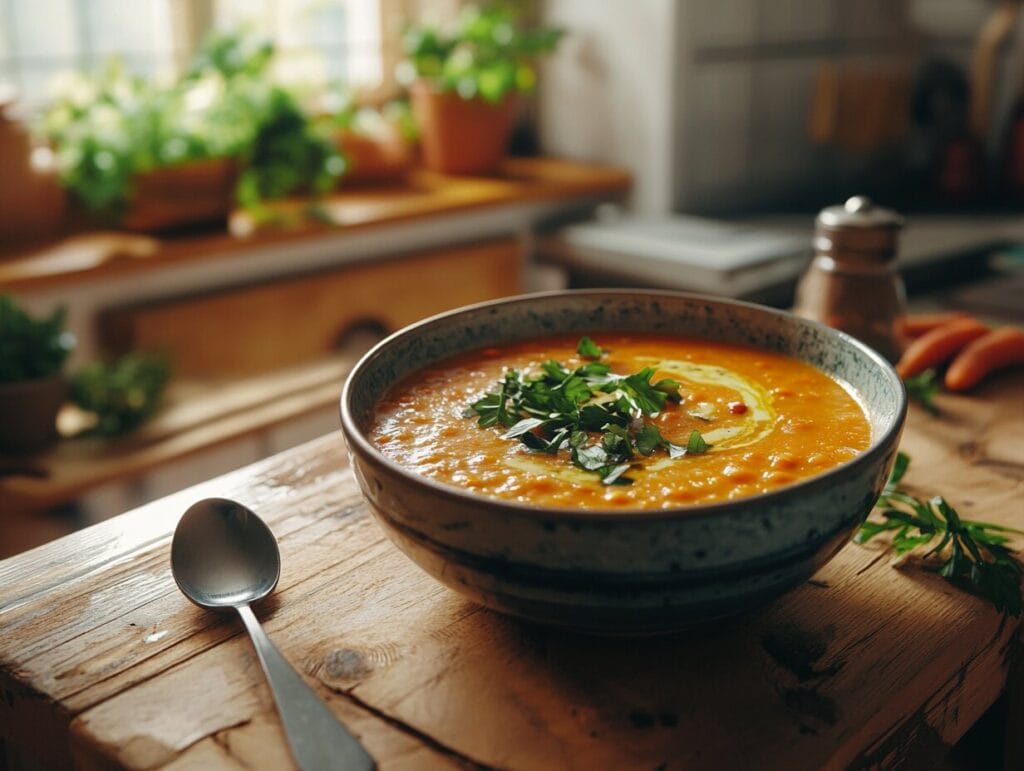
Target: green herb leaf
{"type": "Point", "coordinates": [696, 444]}
{"type": "Point", "coordinates": [922, 388]}
{"type": "Point", "coordinates": [649, 399]}
{"type": "Point", "coordinates": [520, 428]}
{"type": "Point", "coordinates": [588, 349]}
{"type": "Point", "coordinates": [593, 370]}
{"type": "Point", "coordinates": [899, 468]}
{"type": "Point", "coordinates": [576, 389]}
{"type": "Point", "coordinates": [670, 388]}
{"type": "Point", "coordinates": [554, 370]}
{"type": "Point", "coordinates": [649, 439]}
{"type": "Point", "coordinates": [973, 554]}
{"type": "Point", "coordinates": [487, 409]}
{"type": "Point", "coordinates": [613, 475]}
{"type": "Point", "coordinates": [590, 458]}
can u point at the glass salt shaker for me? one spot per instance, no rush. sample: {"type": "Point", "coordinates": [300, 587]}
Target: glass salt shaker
{"type": "Point", "coordinates": [851, 283]}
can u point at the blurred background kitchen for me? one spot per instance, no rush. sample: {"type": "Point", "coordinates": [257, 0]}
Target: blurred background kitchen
{"type": "Point", "coordinates": [208, 208]}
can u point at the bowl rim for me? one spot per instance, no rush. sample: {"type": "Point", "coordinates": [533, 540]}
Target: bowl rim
{"type": "Point", "coordinates": [356, 440]}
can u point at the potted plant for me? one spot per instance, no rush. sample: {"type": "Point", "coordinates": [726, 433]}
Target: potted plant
{"type": "Point", "coordinates": [135, 154]}
{"type": "Point", "coordinates": [121, 395]}
{"type": "Point", "coordinates": [378, 143]}
{"type": "Point", "coordinates": [152, 156]}
{"type": "Point", "coordinates": [32, 390]}
{"type": "Point", "coordinates": [465, 85]}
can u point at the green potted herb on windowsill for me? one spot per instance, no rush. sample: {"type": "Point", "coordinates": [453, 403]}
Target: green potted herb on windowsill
{"type": "Point", "coordinates": [32, 388]}
{"type": "Point", "coordinates": [133, 154]}
{"type": "Point", "coordinates": [149, 156]}
{"type": "Point", "coordinates": [465, 86]}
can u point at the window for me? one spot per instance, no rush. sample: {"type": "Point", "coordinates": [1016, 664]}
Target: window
{"type": "Point", "coordinates": [317, 40]}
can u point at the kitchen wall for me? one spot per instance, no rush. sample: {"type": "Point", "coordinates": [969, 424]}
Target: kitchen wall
{"type": "Point", "coordinates": [709, 101]}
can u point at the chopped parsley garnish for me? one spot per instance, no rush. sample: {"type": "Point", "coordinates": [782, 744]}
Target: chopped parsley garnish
{"type": "Point", "coordinates": [598, 416]}
{"type": "Point", "coordinates": [696, 443]}
{"type": "Point", "coordinates": [588, 349]}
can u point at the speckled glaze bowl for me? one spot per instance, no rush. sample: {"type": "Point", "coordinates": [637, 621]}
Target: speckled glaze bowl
{"type": "Point", "coordinates": [631, 571]}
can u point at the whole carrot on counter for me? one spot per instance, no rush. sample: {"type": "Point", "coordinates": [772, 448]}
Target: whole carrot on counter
{"type": "Point", "coordinates": [939, 345]}
{"type": "Point", "coordinates": [997, 349]}
{"type": "Point", "coordinates": [913, 325]}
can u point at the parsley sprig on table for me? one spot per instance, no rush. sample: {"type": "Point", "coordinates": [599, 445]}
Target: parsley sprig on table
{"type": "Point", "coordinates": [922, 388]}
{"type": "Point", "coordinates": [975, 554]}
{"type": "Point", "coordinates": [597, 415]}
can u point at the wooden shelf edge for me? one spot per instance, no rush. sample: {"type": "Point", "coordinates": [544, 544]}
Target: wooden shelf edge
{"type": "Point", "coordinates": [95, 254]}
{"type": "Point", "coordinates": [201, 416]}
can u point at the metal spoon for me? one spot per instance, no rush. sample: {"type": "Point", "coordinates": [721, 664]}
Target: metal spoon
{"type": "Point", "coordinates": [224, 556]}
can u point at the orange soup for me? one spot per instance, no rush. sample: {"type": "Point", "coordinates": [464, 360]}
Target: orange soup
{"type": "Point", "coordinates": [731, 421]}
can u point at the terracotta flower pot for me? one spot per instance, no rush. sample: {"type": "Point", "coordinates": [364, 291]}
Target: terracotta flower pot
{"type": "Point", "coordinates": [374, 159]}
{"type": "Point", "coordinates": [461, 136]}
{"type": "Point", "coordinates": [31, 199]}
{"type": "Point", "coordinates": [193, 193]}
{"type": "Point", "coordinates": [28, 413]}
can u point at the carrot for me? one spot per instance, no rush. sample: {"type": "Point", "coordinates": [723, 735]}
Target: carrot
{"type": "Point", "coordinates": [914, 325]}
{"type": "Point", "coordinates": [999, 348]}
{"type": "Point", "coordinates": [935, 347]}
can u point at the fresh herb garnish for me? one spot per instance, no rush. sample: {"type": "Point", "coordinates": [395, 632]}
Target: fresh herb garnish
{"type": "Point", "coordinates": [922, 389]}
{"type": "Point", "coordinates": [598, 416]}
{"type": "Point", "coordinates": [588, 349]}
{"type": "Point", "coordinates": [975, 553]}
{"type": "Point", "coordinates": [696, 443]}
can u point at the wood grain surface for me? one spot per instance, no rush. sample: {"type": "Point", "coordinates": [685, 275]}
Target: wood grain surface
{"type": "Point", "coordinates": [103, 664]}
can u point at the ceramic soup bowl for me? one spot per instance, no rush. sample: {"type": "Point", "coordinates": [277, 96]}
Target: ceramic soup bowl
{"type": "Point", "coordinates": [623, 571]}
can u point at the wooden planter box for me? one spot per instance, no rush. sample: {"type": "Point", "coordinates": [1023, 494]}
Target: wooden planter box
{"type": "Point", "coordinates": [194, 193]}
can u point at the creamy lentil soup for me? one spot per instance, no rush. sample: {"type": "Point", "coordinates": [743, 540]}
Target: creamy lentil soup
{"type": "Point", "coordinates": [739, 421]}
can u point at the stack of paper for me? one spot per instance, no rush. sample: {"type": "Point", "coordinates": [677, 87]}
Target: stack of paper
{"type": "Point", "coordinates": [683, 252]}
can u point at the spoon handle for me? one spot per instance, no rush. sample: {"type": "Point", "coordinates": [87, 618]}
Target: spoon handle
{"type": "Point", "coordinates": [317, 740]}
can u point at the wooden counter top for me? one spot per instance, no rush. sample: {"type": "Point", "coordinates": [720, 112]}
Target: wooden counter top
{"type": "Point", "coordinates": [103, 663]}
{"type": "Point", "coordinates": [422, 194]}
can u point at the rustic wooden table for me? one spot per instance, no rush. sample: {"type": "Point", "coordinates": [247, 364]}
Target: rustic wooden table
{"type": "Point", "coordinates": [104, 664]}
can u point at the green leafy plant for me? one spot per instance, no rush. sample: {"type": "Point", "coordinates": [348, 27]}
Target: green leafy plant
{"type": "Point", "coordinates": [109, 128]}
{"type": "Point", "coordinates": [31, 348]}
{"type": "Point", "coordinates": [122, 394]}
{"type": "Point", "coordinates": [489, 54]}
{"type": "Point", "coordinates": [969, 554]}
{"type": "Point", "coordinates": [345, 114]}
{"type": "Point", "coordinates": [288, 154]}
{"type": "Point", "coordinates": [598, 416]}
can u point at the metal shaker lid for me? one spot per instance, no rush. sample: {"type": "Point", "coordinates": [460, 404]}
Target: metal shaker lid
{"type": "Point", "coordinates": [858, 226]}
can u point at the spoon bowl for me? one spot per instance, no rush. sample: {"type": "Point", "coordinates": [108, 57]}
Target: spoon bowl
{"type": "Point", "coordinates": [224, 556]}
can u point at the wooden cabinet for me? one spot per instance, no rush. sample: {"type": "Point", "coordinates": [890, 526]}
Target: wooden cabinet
{"type": "Point", "coordinates": [257, 328]}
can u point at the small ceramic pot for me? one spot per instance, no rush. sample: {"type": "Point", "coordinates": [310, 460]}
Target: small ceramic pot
{"type": "Point", "coordinates": [462, 136]}
{"type": "Point", "coordinates": [28, 414]}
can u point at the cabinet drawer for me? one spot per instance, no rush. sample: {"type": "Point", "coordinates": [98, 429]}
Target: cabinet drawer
{"type": "Point", "coordinates": [256, 328]}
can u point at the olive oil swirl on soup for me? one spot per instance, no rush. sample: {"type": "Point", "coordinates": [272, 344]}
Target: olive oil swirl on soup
{"type": "Point", "coordinates": [739, 421]}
